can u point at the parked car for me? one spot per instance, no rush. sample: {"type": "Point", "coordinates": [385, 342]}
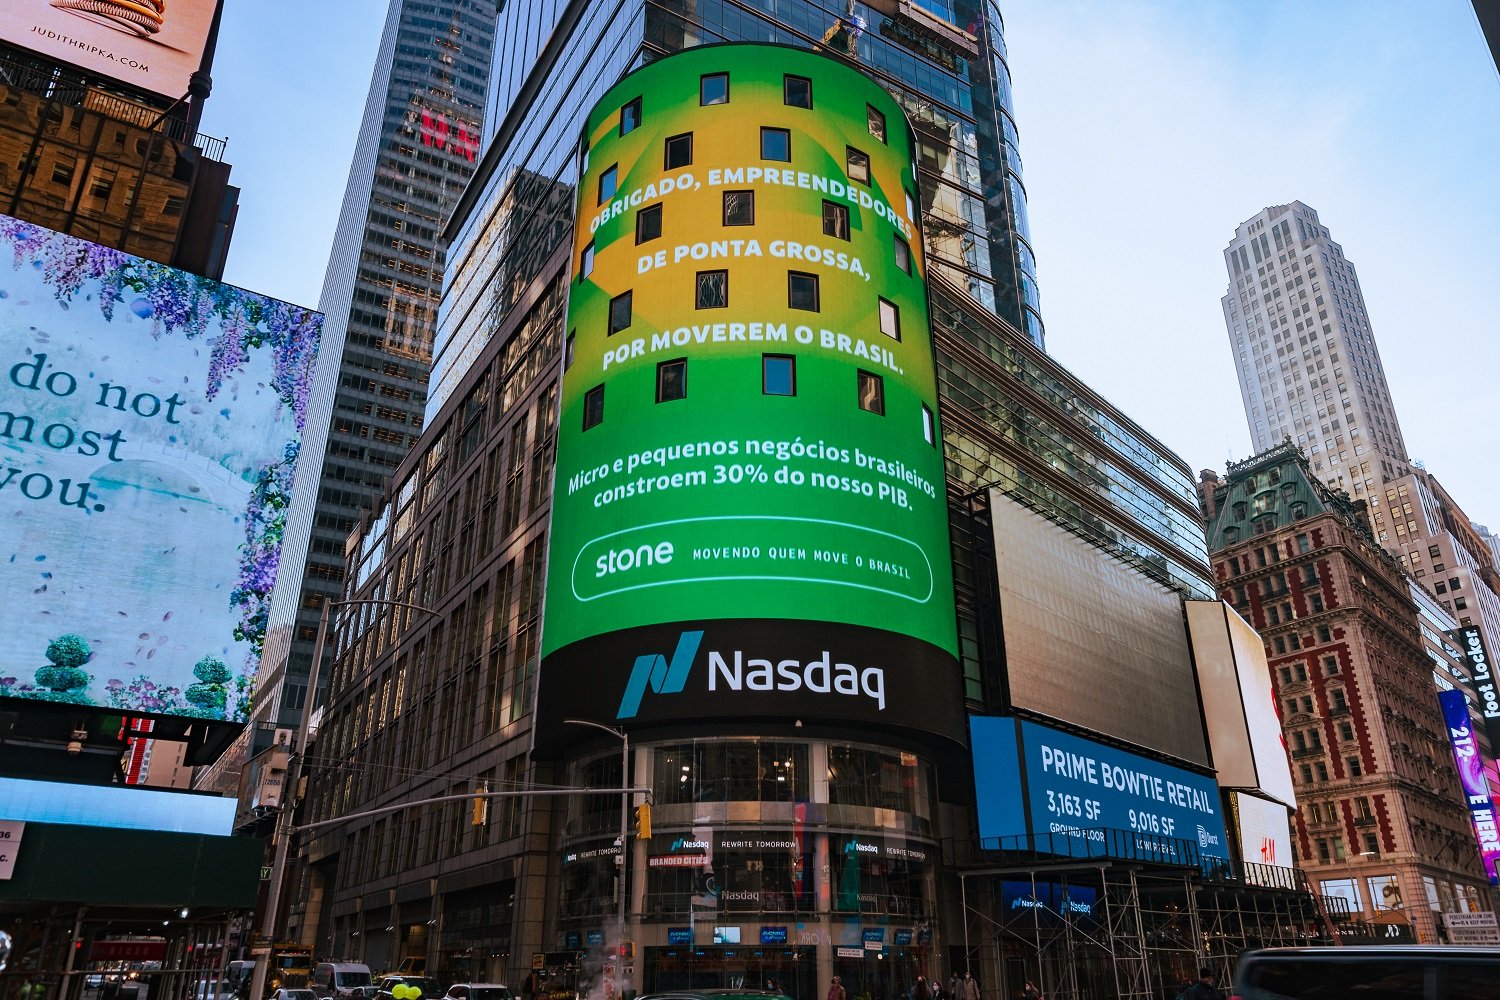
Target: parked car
{"type": "Point", "coordinates": [294, 994]}
{"type": "Point", "coordinates": [478, 991]}
{"type": "Point", "coordinates": [341, 981]}
{"type": "Point", "coordinates": [430, 988]}
{"type": "Point", "coordinates": [211, 989]}
{"type": "Point", "coordinates": [1386, 972]}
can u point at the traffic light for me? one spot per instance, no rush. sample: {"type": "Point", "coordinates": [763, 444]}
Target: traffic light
{"type": "Point", "coordinates": [643, 821]}
{"type": "Point", "coordinates": [481, 808]}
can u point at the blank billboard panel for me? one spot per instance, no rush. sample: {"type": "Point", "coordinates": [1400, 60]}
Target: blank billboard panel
{"type": "Point", "coordinates": [1244, 728]}
{"type": "Point", "coordinates": [1090, 640]}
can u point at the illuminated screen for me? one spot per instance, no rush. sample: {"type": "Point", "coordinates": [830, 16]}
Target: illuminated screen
{"type": "Point", "coordinates": [1265, 841]}
{"type": "Point", "coordinates": [149, 44]}
{"type": "Point", "coordinates": [1084, 799]}
{"type": "Point", "coordinates": [149, 427]}
{"type": "Point", "coordinates": [750, 518]}
{"type": "Point", "coordinates": [1469, 761]}
{"type": "Point", "coordinates": [117, 807]}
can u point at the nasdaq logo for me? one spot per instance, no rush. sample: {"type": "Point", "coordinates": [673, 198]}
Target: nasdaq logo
{"type": "Point", "coordinates": [661, 675]}
{"type": "Point", "coordinates": [735, 671]}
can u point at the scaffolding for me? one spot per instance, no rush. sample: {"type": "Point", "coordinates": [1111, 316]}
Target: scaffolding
{"type": "Point", "coordinates": [1098, 928]}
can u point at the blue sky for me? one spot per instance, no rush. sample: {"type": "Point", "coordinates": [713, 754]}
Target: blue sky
{"type": "Point", "coordinates": [1149, 130]}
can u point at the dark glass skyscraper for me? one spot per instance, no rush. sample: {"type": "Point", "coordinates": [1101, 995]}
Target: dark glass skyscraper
{"type": "Point", "coordinates": [833, 848]}
{"type": "Point", "coordinates": [944, 60]}
{"type": "Point", "coordinates": [417, 147]}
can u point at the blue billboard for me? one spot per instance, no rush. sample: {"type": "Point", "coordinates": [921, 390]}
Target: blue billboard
{"type": "Point", "coordinates": [1050, 899]}
{"type": "Point", "coordinates": [1078, 797]}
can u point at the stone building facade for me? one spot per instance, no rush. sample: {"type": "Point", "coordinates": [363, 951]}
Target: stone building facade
{"type": "Point", "coordinates": [1380, 819]}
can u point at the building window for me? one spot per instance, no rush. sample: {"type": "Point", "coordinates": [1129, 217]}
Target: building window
{"type": "Point", "coordinates": [739, 208]}
{"type": "Point", "coordinates": [1314, 603]}
{"type": "Point", "coordinates": [568, 349]}
{"type": "Point", "coordinates": [1325, 634]}
{"type": "Point", "coordinates": [875, 121]}
{"type": "Point", "coordinates": [1330, 665]}
{"type": "Point", "coordinates": [778, 375]}
{"type": "Point", "coordinates": [1346, 731]}
{"type": "Point", "coordinates": [630, 117]}
{"type": "Point", "coordinates": [835, 220]}
{"type": "Point", "coordinates": [593, 407]}
{"type": "Point", "coordinates": [775, 144]}
{"type": "Point", "coordinates": [671, 380]}
{"type": "Point", "coordinates": [858, 165]}
{"type": "Point", "coordinates": [871, 392]}
{"type": "Point", "coordinates": [903, 255]}
{"type": "Point", "coordinates": [712, 290]}
{"type": "Point", "coordinates": [679, 151]}
{"type": "Point", "coordinates": [586, 262]}
{"type": "Point", "coordinates": [802, 291]}
{"type": "Point", "coordinates": [713, 88]}
{"type": "Point", "coordinates": [648, 224]}
{"type": "Point", "coordinates": [619, 313]}
{"type": "Point", "coordinates": [890, 319]}
{"type": "Point", "coordinates": [929, 426]}
{"type": "Point", "coordinates": [607, 182]}
{"type": "Point", "coordinates": [796, 91]}
{"type": "Point", "coordinates": [1354, 769]}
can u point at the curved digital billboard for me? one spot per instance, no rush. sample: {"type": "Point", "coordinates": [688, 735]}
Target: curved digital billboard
{"type": "Point", "coordinates": [750, 519]}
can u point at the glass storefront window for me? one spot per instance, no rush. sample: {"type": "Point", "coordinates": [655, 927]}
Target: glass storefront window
{"type": "Point", "coordinates": [865, 879]}
{"type": "Point", "coordinates": [749, 770]}
{"type": "Point", "coordinates": [878, 779]}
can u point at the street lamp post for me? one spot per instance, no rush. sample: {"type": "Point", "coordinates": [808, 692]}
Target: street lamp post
{"type": "Point", "coordinates": [624, 738]}
{"type": "Point", "coordinates": [284, 829]}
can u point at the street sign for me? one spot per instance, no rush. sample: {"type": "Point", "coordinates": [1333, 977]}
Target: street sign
{"type": "Point", "coordinates": [851, 952]}
{"type": "Point", "coordinates": [538, 960]}
{"type": "Point", "coordinates": [10, 845]}
{"type": "Point", "coordinates": [265, 873]}
{"type": "Point", "coordinates": [1472, 928]}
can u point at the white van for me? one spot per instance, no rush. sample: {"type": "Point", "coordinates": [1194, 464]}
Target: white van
{"type": "Point", "coordinates": [341, 981]}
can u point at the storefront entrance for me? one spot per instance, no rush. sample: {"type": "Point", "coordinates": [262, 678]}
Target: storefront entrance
{"type": "Point", "coordinates": [794, 971]}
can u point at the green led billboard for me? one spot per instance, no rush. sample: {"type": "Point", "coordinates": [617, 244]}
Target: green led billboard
{"type": "Point", "coordinates": [749, 501]}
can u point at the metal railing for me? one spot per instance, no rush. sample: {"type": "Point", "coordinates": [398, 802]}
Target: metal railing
{"type": "Point", "coordinates": [1104, 843]}
{"type": "Point", "coordinates": [55, 86]}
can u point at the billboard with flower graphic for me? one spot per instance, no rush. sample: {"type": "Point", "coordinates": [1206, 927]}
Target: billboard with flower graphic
{"type": "Point", "coordinates": [149, 427]}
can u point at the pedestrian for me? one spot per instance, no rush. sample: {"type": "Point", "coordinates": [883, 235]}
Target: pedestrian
{"type": "Point", "coordinates": [952, 990]}
{"type": "Point", "coordinates": [919, 990]}
{"type": "Point", "coordinates": [836, 990]}
{"type": "Point", "coordinates": [969, 989]}
{"type": "Point", "coordinates": [528, 988]}
{"type": "Point", "coordinates": [1204, 989]}
{"type": "Point", "coordinates": [936, 985]}
{"type": "Point", "coordinates": [1030, 992]}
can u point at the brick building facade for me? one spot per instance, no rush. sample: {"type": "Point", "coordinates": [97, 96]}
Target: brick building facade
{"type": "Point", "coordinates": [1380, 819]}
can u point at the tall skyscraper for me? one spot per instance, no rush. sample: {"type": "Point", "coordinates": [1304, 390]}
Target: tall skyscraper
{"type": "Point", "coordinates": [944, 61]}
{"type": "Point", "coordinates": [417, 146]}
{"type": "Point", "coordinates": [1308, 366]}
{"type": "Point", "coordinates": [800, 830]}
